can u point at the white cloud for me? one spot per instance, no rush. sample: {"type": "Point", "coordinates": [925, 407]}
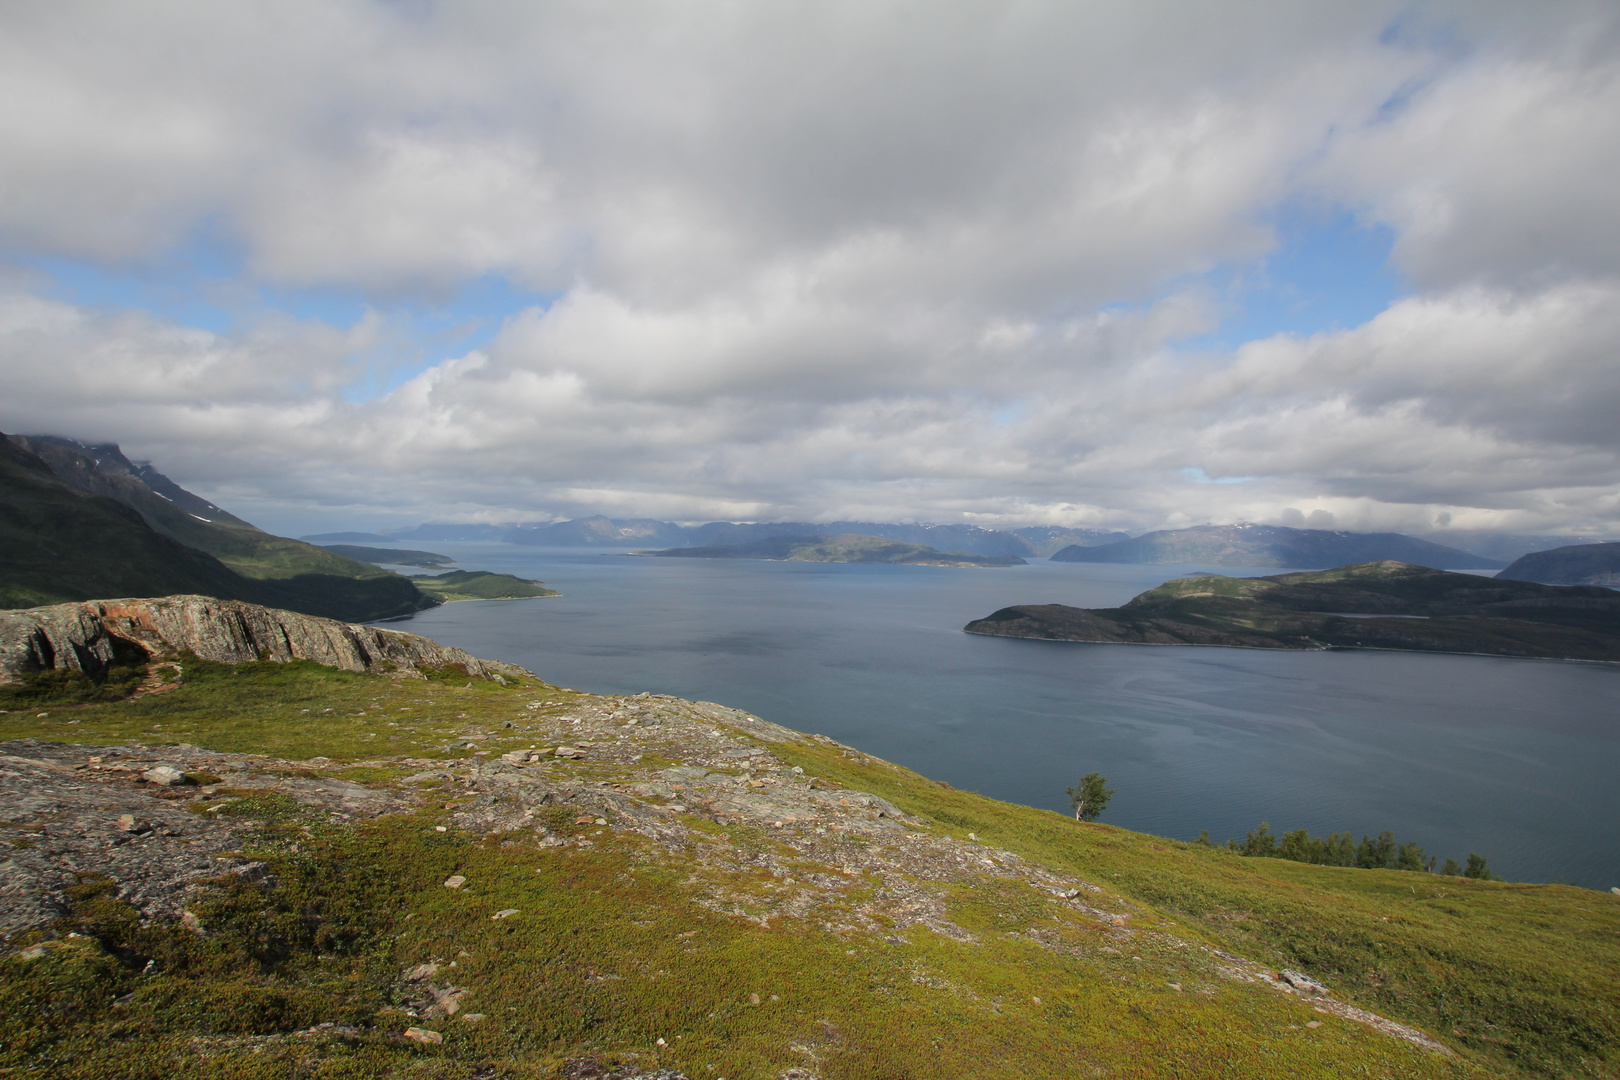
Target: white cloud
{"type": "Point", "coordinates": [837, 260]}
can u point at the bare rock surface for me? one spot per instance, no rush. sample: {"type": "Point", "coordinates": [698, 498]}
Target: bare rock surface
{"type": "Point", "coordinates": [96, 634]}
{"type": "Point", "coordinates": [69, 811]}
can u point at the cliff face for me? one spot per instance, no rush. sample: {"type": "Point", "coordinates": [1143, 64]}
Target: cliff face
{"type": "Point", "coordinates": [95, 634]}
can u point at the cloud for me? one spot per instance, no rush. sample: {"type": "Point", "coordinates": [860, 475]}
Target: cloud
{"type": "Point", "coordinates": [830, 261]}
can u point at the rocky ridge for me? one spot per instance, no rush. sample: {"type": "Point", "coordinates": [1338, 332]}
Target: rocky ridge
{"type": "Point", "coordinates": [94, 635]}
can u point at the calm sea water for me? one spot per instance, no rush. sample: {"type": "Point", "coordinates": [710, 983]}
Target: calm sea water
{"type": "Point", "coordinates": [1516, 759]}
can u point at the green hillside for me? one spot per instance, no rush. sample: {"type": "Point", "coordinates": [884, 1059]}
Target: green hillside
{"type": "Point", "coordinates": [657, 898]}
{"type": "Point", "coordinates": [61, 545]}
{"type": "Point", "coordinates": [85, 523]}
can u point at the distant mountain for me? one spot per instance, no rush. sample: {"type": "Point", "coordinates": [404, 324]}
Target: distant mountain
{"type": "Point", "coordinates": [1274, 545]}
{"type": "Point", "coordinates": [64, 548]}
{"type": "Point", "coordinates": [1381, 605]}
{"type": "Point", "coordinates": [600, 531]}
{"type": "Point", "coordinates": [597, 531]}
{"type": "Point", "coordinates": [1047, 539]}
{"type": "Point", "coordinates": [1578, 564]}
{"type": "Point", "coordinates": [447, 533]}
{"type": "Point", "coordinates": [839, 549]}
{"type": "Point", "coordinates": [1504, 546]}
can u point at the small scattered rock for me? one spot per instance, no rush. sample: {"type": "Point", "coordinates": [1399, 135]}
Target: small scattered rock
{"type": "Point", "coordinates": [431, 774]}
{"type": "Point", "coordinates": [455, 881]}
{"type": "Point", "coordinates": [1314, 1024]}
{"type": "Point", "coordinates": [423, 1035]}
{"type": "Point", "coordinates": [166, 775]}
{"type": "Point", "coordinates": [1303, 983]}
{"type": "Point", "coordinates": [505, 913]}
{"type": "Point", "coordinates": [422, 971]}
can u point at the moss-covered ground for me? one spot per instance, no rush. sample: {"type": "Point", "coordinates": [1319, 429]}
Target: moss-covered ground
{"type": "Point", "coordinates": [610, 956]}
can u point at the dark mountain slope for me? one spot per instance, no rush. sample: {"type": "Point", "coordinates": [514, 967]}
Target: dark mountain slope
{"type": "Point", "coordinates": [81, 523]}
{"type": "Point", "coordinates": [60, 544]}
{"type": "Point", "coordinates": [1578, 564]}
{"type": "Point", "coordinates": [1274, 545]}
{"type": "Point", "coordinates": [177, 513]}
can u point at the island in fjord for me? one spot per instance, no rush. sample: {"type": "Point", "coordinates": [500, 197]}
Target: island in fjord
{"type": "Point", "coordinates": [848, 548]}
{"type": "Point", "coordinates": [1379, 605]}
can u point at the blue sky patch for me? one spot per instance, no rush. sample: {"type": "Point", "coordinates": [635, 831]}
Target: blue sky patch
{"type": "Point", "coordinates": [1329, 272]}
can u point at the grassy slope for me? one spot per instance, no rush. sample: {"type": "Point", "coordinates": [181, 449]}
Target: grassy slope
{"type": "Point", "coordinates": [610, 954]}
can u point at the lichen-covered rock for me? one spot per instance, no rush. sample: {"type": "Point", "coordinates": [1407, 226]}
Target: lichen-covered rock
{"type": "Point", "coordinates": [96, 634]}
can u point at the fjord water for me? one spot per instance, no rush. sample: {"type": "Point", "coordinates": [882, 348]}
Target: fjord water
{"type": "Point", "coordinates": [1516, 759]}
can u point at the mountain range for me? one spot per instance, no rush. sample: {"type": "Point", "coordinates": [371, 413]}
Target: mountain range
{"type": "Point", "coordinates": [1210, 545]}
{"type": "Point", "coordinates": [1037, 541]}
{"type": "Point", "coordinates": [80, 522]}
{"type": "Point", "coordinates": [846, 548]}
{"type": "Point", "coordinates": [1275, 545]}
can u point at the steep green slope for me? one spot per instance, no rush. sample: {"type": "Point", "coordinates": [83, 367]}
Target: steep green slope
{"type": "Point", "coordinates": [84, 524]}
{"type": "Point", "coordinates": [177, 513]}
{"type": "Point", "coordinates": [1384, 605]}
{"type": "Point", "coordinates": [628, 908]}
{"type": "Point", "coordinates": [61, 544]}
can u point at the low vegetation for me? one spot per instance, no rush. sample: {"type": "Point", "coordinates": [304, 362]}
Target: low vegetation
{"type": "Point", "coordinates": [479, 585]}
{"type": "Point", "coordinates": [614, 953]}
{"type": "Point", "coordinates": [1340, 849]}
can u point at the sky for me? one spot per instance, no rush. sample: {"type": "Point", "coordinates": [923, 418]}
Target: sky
{"type": "Point", "coordinates": [359, 264]}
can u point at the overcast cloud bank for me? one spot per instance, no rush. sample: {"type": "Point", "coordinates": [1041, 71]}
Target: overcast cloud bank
{"type": "Point", "coordinates": [842, 261]}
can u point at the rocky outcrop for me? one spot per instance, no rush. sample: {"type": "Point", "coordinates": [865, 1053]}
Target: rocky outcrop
{"type": "Point", "coordinates": [96, 634]}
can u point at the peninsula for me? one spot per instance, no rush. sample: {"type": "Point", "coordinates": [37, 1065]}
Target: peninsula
{"type": "Point", "coordinates": [480, 585]}
{"type": "Point", "coordinates": [848, 548]}
{"type": "Point", "coordinates": [1380, 605]}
